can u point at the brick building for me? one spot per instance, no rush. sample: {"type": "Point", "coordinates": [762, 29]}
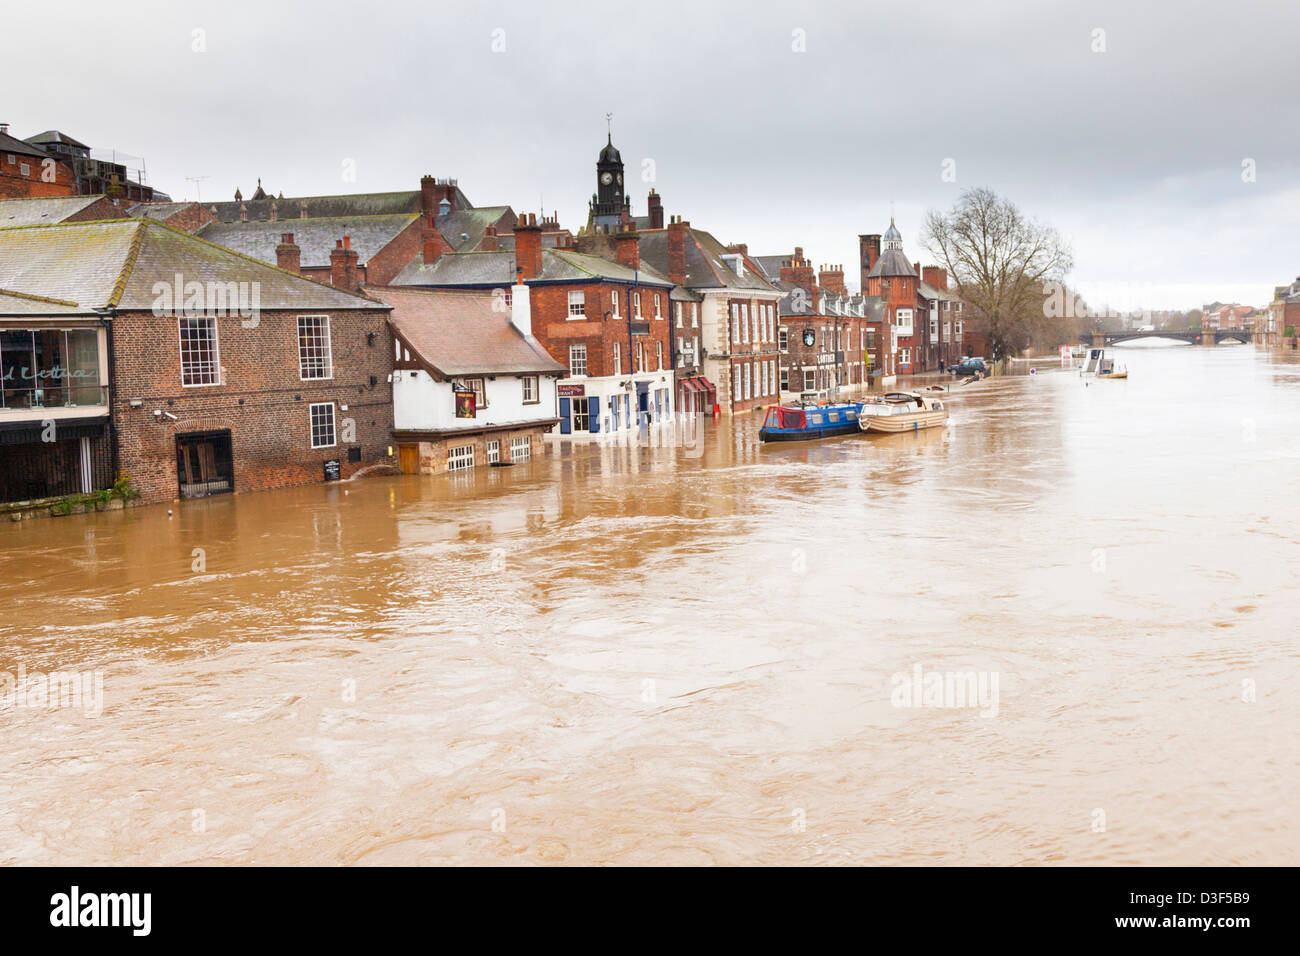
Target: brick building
{"type": "Point", "coordinates": [724, 320]}
{"type": "Point", "coordinates": [828, 338]}
{"type": "Point", "coordinates": [388, 230]}
{"type": "Point", "coordinates": [919, 306]}
{"type": "Point", "coordinates": [27, 171]}
{"type": "Point", "coordinates": [95, 175]}
{"type": "Point", "coordinates": [49, 210]}
{"type": "Point", "coordinates": [194, 369]}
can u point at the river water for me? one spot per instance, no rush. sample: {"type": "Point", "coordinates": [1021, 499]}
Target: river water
{"type": "Point", "coordinates": [648, 655]}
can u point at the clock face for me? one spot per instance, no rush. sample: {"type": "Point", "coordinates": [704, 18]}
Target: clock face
{"type": "Point", "coordinates": [620, 179]}
{"type": "Point", "coordinates": [606, 178]}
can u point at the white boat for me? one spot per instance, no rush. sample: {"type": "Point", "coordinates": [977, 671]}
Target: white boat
{"type": "Point", "coordinates": [901, 412]}
{"type": "Point", "coordinates": [1098, 363]}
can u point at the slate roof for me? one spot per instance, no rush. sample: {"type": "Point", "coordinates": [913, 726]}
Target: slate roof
{"type": "Point", "coordinates": [158, 210]}
{"type": "Point", "coordinates": [11, 144]}
{"type": "Point", "coordinates": [457, 333]}
{"type": "Point", "coordinates": [115, 263]}
{"type": "Point", "coordinates": [771, 265]}
{"type": "Point", "coordinates": [892, 262]}
{"type": "Point", "coordinates": [54, 136]}
{"type": "Point", "coordinates": [464, 269]}
{"type": "Point", "coordinates": [497, 269]}
{"type": "Point", "coordinates": [934, 292]}
{"type": "Point", "coordinates": [705, 268]}
{"type": "Point", "coordinates": [315, 237]}
{"type": "Point", "coordinates": [16, 303]}
{"type": "Point", "coordinates": [472, 223]}
{"type": "Point", "coordinates": [33, 212]}
{"type": "Point", "coordinates": [321, 207]}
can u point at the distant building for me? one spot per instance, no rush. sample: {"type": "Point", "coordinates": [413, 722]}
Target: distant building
{"type": "Point", "coordinates": [27, 171]}
{"type": "Point", "coordinates": [96, 175]}
{"type": "Point", "coordinates": [56, 209]}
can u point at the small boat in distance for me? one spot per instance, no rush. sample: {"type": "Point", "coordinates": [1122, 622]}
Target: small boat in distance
{"type": "Point", "coordinates": [809, 418]}
{"type": "Point", "coordinates": [902, 412]}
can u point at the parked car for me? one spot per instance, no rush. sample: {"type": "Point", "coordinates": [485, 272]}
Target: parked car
{"type": "Point", "coordinates": [971, 366]}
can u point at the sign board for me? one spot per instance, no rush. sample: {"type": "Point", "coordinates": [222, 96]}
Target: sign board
{"type": "Point", "coordinates": [571, 391]}
{"type": "Point", "coordinates": [332, 472]}
{"type": "Point", "coordinates": [465, 405]}
{"type": "Point", "coordinates": [809, 338]}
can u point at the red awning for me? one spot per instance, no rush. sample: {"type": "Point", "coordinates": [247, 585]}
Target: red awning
{"type": "Point", "coordinates": [692, 385]}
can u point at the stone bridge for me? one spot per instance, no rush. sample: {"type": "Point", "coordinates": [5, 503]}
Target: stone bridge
{"type": "Point", "coordinates": [1099, 339]}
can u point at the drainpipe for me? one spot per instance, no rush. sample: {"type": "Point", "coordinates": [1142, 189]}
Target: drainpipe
{"type": "Point", "coordinates": [106, 317]}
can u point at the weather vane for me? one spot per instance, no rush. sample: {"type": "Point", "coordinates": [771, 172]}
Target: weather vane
{"type": "Point", "coordinates": [609, 122]}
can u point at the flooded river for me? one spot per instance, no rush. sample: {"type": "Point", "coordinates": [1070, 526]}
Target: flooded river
{"type": "Point", "coordinates": [643, 655]}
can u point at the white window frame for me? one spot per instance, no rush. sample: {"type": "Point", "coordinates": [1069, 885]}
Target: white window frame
{"type": "Point", "coordinates": [216, 350]}
{"type": "Point", "coordinates": [577, 304]}
{"type": "Point", "coordinates": [809, 380]}
{"type": "Point", "coordinates": [493, 450]}
{"type": "Point", "coordinates": [659, 355]}
{"type": "Point", "coordinates": [460, 458]}
{"type": "Point", "coordinates": [618, 358]}
{"type": "Point", "coordinates": [529, 384]}
{"type": "Point", "coordinates": [659, 311]}
{"type": "Point", "coordinates": [636, 305]}
{"type": "Point", "coordinates": [614, 305]}
{"type": "Point", "coordinates": [695, 315]}
{"type": "Point", "coordinates": [333, 423]}
{"type": "Point", "coordinates": [479, 387]}
{"type": "Point", "coordinates": [576, 351]}
{"type": "Point", "coordinates": [679, 310]}
{"type": "Point", "coordinates": [521, 448]}
{"type": "Point", "coordinates": [328, 353]}
{"type": "Point", "coordinates": [899, 316]}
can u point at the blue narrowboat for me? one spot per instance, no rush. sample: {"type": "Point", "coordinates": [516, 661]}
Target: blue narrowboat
{"type": "Point", "coordinates": [804, 421]}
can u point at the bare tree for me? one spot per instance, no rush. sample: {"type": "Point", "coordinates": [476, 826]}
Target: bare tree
{"type": "Point", "coordinates": [1001, 261]}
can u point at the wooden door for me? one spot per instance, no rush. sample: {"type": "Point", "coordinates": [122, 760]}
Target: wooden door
{"type": "Point", "coordinates": [408, 459]}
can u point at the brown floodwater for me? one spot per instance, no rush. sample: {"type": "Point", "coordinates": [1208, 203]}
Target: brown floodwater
{"type": "Point", "coordinates": [648, 656]}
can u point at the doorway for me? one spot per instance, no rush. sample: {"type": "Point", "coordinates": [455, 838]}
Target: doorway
{"type": "Point", "coordinates": [408, 459]}
{"type": "Point", "coordinates": [204, 464]}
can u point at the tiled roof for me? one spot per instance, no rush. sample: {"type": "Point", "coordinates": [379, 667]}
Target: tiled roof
{"type": "Point", "coordinates": [11, 144]}
{"type": "Point", "coordinates": [116, 263]}
{"type": "Point", "coordinates": [35, 212]}
{"type": "Point", "coordinates": [315, 237]}
{"type": "Point", "coordinates": [705, 268]}
{"type": "Point", "coordinates": [934, 292]}
{"type": "Point", "coordinates": [464, 333]}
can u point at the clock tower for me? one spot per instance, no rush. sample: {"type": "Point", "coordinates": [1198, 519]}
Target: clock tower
{"type": "Point", "coordinates": [609, 203]}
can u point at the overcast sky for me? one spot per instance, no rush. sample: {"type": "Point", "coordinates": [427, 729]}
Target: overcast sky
{"type": "Point", "coordinates": [1135, 153]}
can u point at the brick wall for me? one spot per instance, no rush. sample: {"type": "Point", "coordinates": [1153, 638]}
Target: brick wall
{"type": "Point", "coordinates": [263, 402]}
{"type": "Point", "coordinates": [14, 185]}
{"type": "Point", "coordinates": [433, 454]}
{"type": "Point", "coordinates": [555, 332]}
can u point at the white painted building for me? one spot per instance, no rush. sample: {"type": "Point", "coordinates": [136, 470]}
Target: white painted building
{"type": "Point", "coordinates": [471, 385]}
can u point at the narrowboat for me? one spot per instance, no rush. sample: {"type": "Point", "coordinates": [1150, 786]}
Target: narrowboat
{"type": "Point", "coordinates": [803, 421]}
{"type": "Point", "coordinates": [902, 412]}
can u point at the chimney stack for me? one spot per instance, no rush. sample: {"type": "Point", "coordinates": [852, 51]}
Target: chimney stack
{"type": "Point", "coordinates": [831, 278]}
{"type": "Point", "coordinates": [343, 266]}
{"type": "Point", "coordinates": [489, 243]}
{"type": "Point", "coordinates": [428, 195]}
{"type": "Point", "coordinates": [528, 247]}
{"type": "Point", "coordinates": [521, 314]}
{"type": "Point", "coordinates": [654, 206]}
{"type": "Point", "coordinates": [935, 276]}
{"type": "Point", "coordinates": [799, 271]}
{"type": "Point", "coordinates": [627, 247]}
{"type": "Point", "coordinates": [677, 250]}
{"type": "Point", "coordinates": [287, 254]}
{"type": "Point", "coordinates": [869, 249]}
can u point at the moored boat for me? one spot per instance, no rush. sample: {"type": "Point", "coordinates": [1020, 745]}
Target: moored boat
{"type": "Point", "coordinates": [902, 412]}
{"type": "Point", "coordinates": [803, 421]}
